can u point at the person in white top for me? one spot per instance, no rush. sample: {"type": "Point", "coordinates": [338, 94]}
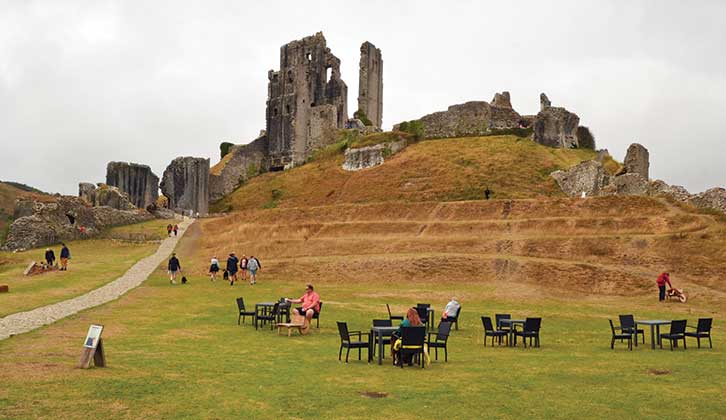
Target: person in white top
{"type": "Point", "coordinates": [213, 269]}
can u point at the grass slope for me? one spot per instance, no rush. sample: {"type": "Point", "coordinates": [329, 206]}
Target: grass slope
{"type": "Point", "coordinates": [432, 170]}
{"type": "Point", "coordinates": [177, 352]}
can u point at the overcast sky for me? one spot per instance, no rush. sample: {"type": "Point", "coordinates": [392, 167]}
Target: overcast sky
{"type": "Point", "coordinates": [84, 83]}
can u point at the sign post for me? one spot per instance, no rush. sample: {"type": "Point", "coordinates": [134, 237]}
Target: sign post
{"type": "Point", "coordinates": [93, 348]}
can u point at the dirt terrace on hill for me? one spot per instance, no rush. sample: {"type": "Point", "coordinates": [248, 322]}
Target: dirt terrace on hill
{"type": "Point", "coordinates": [610, 246]}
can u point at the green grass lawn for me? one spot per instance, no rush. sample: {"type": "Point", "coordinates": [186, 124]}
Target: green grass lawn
{"type": "Point", "coordinates": [93, 263]}
{"type": "Point", "coordinates": [177, 352]}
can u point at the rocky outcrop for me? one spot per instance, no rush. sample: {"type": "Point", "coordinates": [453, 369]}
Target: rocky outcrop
{"type": "Point", "coordinates": [134, 179]}
{"type": "Point", "coordinates": [502, 100]}
{"type": "Point", "coordinates": [658, 187]}
{"type": "Point", "coordinates": [544, 102]}
{"type": "Point", "coordinates": [185, 183]}
{"type": "Point", "coordinates": [555, 126]}
{"type": "Point", "coordinates": [588, 177]}
{"type": "Point", "coordinates": [241, 163]}
{"type": "Point", "coordinates": [714, 198]}
{"type": "Point", "coordinates": [476, 118]}
{"type": "Point", "coordinates": [64, 219]}
{"type": "Point", "coordinates": [368, 157]}
{"type": "Point", "coordinates": [627, 184]}
{"type": "Point", "coordinates": [104, 195]}
{"type": "Point", "coordinates": [637, 160]}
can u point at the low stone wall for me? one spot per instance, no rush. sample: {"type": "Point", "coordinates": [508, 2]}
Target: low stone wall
{"type": "Point", "coordinates": [370, 156]}
{"type": "Point", "coordinates": [476, 118]}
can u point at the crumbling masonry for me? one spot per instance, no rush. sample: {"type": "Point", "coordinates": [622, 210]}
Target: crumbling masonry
{"type": "Point", "coordinates": [370, 83]}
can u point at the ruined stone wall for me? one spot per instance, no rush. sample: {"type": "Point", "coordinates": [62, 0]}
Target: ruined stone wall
{"type": "Point", "coordinates": [136, 180]}
{"type": "Point", "coordinates": [186, 184]}
{"type": "Point", "coordinates": [309, 76]}
{"type": "Point", "coordinates": [243, 162]}
{"type": "Point", "coordinates": [370, 83]}
{"type": "Point", "coordinates": [474, 118]}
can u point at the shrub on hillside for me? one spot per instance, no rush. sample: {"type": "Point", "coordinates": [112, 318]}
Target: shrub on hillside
{"type": "Point", "coordinates": [224, 149]}
{"type": "Point", "coordinates": [363, 117]}
{"type": "Point", "coordinates": [415, 128]}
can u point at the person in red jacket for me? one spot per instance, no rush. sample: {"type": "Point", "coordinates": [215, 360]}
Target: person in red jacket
{"type": "Point", "coordinates": [662, 280]}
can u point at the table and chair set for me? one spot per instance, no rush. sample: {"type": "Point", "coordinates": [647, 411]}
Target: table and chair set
{"type": "Point", "coordinates": [505, 328]}
{"type": "Point", "coordinates": [679, 329]}
{"type": "Point", "coordinates": [277, 314]}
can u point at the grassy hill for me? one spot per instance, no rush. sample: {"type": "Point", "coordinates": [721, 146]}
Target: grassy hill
{"type": "Point", "coordinates": [432, 170]}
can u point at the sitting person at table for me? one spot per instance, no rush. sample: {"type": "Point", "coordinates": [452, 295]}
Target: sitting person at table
{"type": "Point", "coordinates": [411, 320]}
{"type": "Point", "coordinates": [310, 304]}
{"type": "Point", "coordinates": [451, 310]}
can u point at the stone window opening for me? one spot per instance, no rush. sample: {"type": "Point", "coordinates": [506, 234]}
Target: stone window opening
{"type": "Point", "coordinates": [328, 74]}
{"type": "Point", "coordinates": [289, 76]}
{"type": "Point", "coordinates": [71, 219]}
{"type": "Point", "coordinates": [287, 109]}
{"type": "Point", "coordinates": [309, 57]}
{"type": "Point", "coordinates": [274, 112]}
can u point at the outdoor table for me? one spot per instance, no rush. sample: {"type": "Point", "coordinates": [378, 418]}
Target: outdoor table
{"type": "Point", "coordinates": [380, 333]}
{"type": "Point", "coordinates": [511, 323]}
{"type": "Point", "coordinates": [430, 312]}
{"type": "Point", "coordinates": [263, 308]}
{"type": "Point", "coordinates": [654, 324]}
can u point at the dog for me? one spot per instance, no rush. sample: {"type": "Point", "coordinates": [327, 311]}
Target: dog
{"type": "Point", "coordinates": [184, 280]}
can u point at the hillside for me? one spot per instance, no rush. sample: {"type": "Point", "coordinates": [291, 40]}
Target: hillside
{"type": "Point", "coordinates": [432, 170]}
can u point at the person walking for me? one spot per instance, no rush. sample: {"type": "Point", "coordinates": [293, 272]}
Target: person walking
{"type": "Point", "coordinates": [232, 268]}
{"type": "Point", "coordinates": [661, 282]}
{"type": "Point", "coordinates": [213, 269]}
{"type": "Point", "coordinates": [65, 255]}
{"type": "Point", "coordinates": [243, 267]}
{"type": "Point", "coordinates": [253, 265]}
{"type": "Point", "coordinates": [169, 228]}
{"type": "Point", "coordinates": [176, 229]}
{"type": "Point", "coordinates": [49, 257]}
{"type": "Point", "coordinates": [174, 268]}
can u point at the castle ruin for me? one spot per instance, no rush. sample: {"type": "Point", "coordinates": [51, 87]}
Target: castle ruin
{"type": "Point", "coordinates": [307, 102]}
{"type": "Point", "coordinates": [370, 83]}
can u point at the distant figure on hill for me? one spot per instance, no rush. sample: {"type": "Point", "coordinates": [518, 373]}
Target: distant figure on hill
{"type": "Point", "coordinates": [213, 269]}
{"type": "Point", "coordinates": [176, 229]}
{"type": "Point", "coordinates": [49, 257]}
{"type": "Point", "coordinates": [169, 228]}
{"type": "Point", "coordinates": [243, 267]}
{"type": "Point", "coordinates": [451, 309]}
{"type": "Point", "coordinates": [661, 282]}
{"type": "Point", "coordinates": [253, 265]}
{"type": "Point", "coordinates": [232, 268]}
{"type": "Point", "coordinates": [174, 268]}
{"type": "Point", "coordinates": [65, 255]}
{"type": "Point", "coordinates": [310, 303]}
{"type": "Point", "coordinates": [487, 193]}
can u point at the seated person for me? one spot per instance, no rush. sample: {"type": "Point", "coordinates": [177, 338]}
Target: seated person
{"type": "Point", "coordinates": [411, 320]}
{"type": "Point", "coordinates": [310, 304]}
{"type": "Point", "coordinates": [451, 310]}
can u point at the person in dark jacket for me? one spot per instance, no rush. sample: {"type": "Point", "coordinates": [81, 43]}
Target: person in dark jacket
{"type": "Point", "coordinates": [65, 255]}
{"type": "Point", "coordinates": [232, 262]}
{"type": "Point", "coordinates": [49, 257]}
{"type": "Point", "coordinates": [174, 268]}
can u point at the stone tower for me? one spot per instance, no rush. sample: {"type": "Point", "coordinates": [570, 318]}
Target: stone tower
{"type": "Point", "coordinates": [306, 101]}
{"type": "Point", "coordinates": [370, 83]}
{"type": "Point", "coordinates": [186, 184]}
{"type": "Point", "coordinates": [136, 180]}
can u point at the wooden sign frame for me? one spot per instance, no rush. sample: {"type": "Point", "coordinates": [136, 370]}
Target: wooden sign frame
{"type": "Point", "coordinates": [93, 348]}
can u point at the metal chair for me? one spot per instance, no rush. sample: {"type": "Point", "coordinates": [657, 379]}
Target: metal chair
{"type": "Point", "coordinates": [385, 340]}
{"type": "Point", "coordinates": [489, 331]}
{"type": "Point", "coordinates": [530, 330]}
{"type": "Point", "coordinates": [442, 337]}
{"type": "Point", "coordinates": [498, 318]}
{"type": "Point", "coordinates": [455, 319]}
{"type": "Point", "coordinates": [243, 313]}
{"type": "Point", "coordinates": [393, 317]}
{"type": "Point", "coordinates": [627, 324]}
{"type": "Point", "coordinates": [622, 335]}
{"type": "Point", "coordinates": [316, 316]}
{"type": "Point", "coordinates": [703, 330]}
{"type": "Point", "coordinates": [412, 343]}
{"type": "Point", "coordinates": [266, 315]}
{"type": "Point", "coordinates": [346, 342]}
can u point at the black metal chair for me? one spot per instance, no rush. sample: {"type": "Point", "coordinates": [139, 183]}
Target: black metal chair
{"type": "Point", "coordinates": [703, 330]}
{"type": "Point", "coordinates": [454, 319]}
{"type": "Point", "coordinates": [316, 316]}
{"type": "Point", "coordinates": [243, 313]}
{"type": "Point", "coordinates": [622, 335]}
{"type": "Point", "coordinates": [393, 317]}
{"type": "Point", "coordinates": [386, 340]}
{"type": "Point", "coordinates": [440, 340]}
{"type": "Point", "coordinates": [489, 331]}
{"type": "Point", "coordinates": [412, 344]}
{"type": "Point", "coordinates": [346, 342]}
{"type": "Point", "coordinates": [498, 318]}
{"type": "Point", "coordinates": [627, 324]}
{"type": "Point", "coordinates": [530, 330]}
{"type": "Point", "coordinates": [284, 312]}
{"type": "Point", "coordinates": [423, 313]}
{"type": "Point", "coordinates": [268, 316]}
{"type": "Point", "coordinates": [677, 332]}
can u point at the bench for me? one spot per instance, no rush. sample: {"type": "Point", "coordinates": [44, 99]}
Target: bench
{"type": "Point", "coordinates": [290, 326]}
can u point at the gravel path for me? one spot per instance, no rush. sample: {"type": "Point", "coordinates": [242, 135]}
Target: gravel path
{"type": "Point", "coordinates": [22, 322]}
